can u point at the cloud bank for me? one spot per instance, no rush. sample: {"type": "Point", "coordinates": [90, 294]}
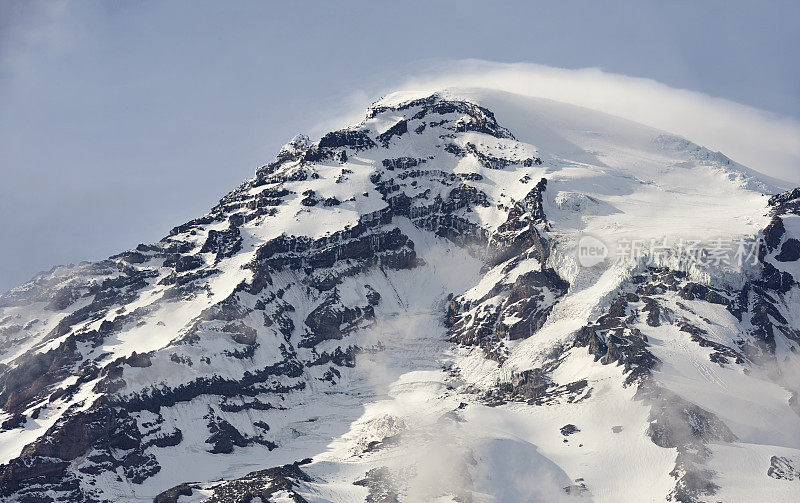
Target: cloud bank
{"type": "Point", "coordinates": [760, 140]}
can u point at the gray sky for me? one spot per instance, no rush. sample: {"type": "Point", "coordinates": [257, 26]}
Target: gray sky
{"type": "Point", "coordinates": [120, 120]}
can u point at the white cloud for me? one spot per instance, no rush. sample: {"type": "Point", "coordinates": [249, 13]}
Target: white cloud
{"type": "Point", "coordinates": [763, 141]}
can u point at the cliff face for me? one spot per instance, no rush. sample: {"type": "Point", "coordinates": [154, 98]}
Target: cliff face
{"type": "Point", "coordinates": [401, 311]}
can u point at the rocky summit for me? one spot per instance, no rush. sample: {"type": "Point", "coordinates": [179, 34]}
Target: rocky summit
{"type": "Point", "coordinates": [469, 296]}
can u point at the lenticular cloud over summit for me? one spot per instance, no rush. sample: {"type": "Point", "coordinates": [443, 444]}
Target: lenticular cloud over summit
{"type": "Point", "coordinates": [761, 140]}
{"type": "Point", "coordinates": [506, 291]}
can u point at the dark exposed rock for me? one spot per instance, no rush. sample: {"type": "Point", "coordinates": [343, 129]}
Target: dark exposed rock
{"type": "Point", "coordinates": [223, 435]}
{"type": "Point", "coordinates": [63, 298]}
{"type": "Point", "coordinates": [535, 387]}
{"type": "Point", "coordinates": [398, 129]}
{"type": "Point", "coordinates": [357, 140]}
{"type": "Point", "coordinates": [518, 233]}
{"type": "Point", "coordinates": [238, 404]}
{"type": "Point", "coordinates": [197, 222]}
{"type": "Point", "coordinates": [138, 360]}
{"type": "Point", "coordinates": [267, 198]}
{"type": "Point", "coordinates": [223, 243]}
{"type": "Point", "coordinates": [790, 251]}
{"type": "Point", "coordinates": [722, 354]}
{"type": "Point", "coordinates": [166, 440]}
{"type": "Point", "coordinates": [26, 475]}
{"type": "Point", "coordinates": [692, 291]}
{"type": "Point", "coordinates": [693, 484]}
{"type": "Point", "coordinates": [653, 310]}
{"type": "Point", "coordinates": [475, 117]}
{"type": "Point", "coordinates": [251, 384]}
{"type": "Point", "coordinates": [773, 233]}
{"type": "Point", "coordinates": [111, 437]}
{"type": "Point", "coordinates": [612, 339]}
{"type": "Point", "coordinates": [133, 257]}
{"type": "Point", "coordinates": [490, 162]}
{"type": "Point", "coordinates": [677, 423]}
{"type": "Point", "coordinates": [15, 421]}
{"type": "Point", "coordinates": [786, 202]}
{"type": "Point", "coordinates": [310, 200]}
{"type": "Point", "coordinates": [401, 163]}
{"type": "Point", "coordinates": [361, 246]}
{"type": "Point", "coordinates": [381, 486]}
{"type": "Point", "coordinates": [183, 263]}
{"type": "Point", "coordinates": [263, 484]}
{"type": "Point", "coordinates": [346, 358]}
{"type": "Point", "coordinates": [782, 468]}
{"type": "Point", "coordinates": [772, 279]}
{"type": "Point", "coordinates": [172, 495]}
{"type": "Point", "coordinates": [527, 303]}
{"type": "Point", "coordinates": [472, 177]}
{"type": "Point", "coordinates": [373, 297]}
{"type": "Point", "coordinates": [569, 429]}
{"type": "Point", "coordinates": [455, 150]}
{"type": "Point", "coordinates": [331, 320]}
{"type": "Point", "coordinates": [34, 374]}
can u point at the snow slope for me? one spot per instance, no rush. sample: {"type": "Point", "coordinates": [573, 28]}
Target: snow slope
{"type": "Point", "coordinates": [398, 312]}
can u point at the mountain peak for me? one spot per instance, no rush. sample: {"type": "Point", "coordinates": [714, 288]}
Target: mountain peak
{"type": "Point", "coordinates": [469, 284]}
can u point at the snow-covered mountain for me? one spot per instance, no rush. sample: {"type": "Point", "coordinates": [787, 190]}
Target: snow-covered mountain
{"type": "Point", "coordinates": [468, 296]}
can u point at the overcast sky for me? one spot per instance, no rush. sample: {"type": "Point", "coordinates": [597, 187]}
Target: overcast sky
{"type": "Point", "coordinates": [119, 120]}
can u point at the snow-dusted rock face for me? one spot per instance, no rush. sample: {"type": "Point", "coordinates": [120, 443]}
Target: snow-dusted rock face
{"type": "Point", "coordinates": [399, 312]}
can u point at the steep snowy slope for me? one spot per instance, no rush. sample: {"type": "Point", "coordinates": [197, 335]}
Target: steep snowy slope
{"type": "Point", "coordinates": [469, 296]}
